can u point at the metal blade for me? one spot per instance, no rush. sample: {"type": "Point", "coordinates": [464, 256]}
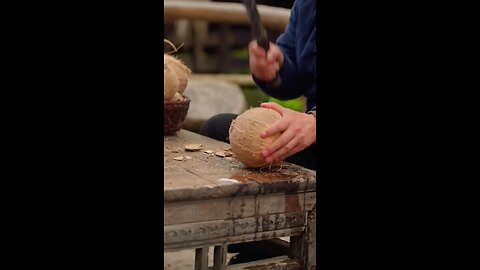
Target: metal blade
{"type": "Point", "coordinates": [254, 17]}
{"type": "Point", "coordinates": [258, 32]}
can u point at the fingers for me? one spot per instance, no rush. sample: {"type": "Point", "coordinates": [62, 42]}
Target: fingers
{"type": "Point", "coordinates": [280, 143]}
{"type": "Point", "coordinates": [273, 106]}
{"type": "Point", "coordinates": [279, 127]}
{"type": "Point", "coordinates": [274, 54]}
{"type": "Point", "coordinates": [256, 50]}
{"type": "Point", "coordinates": [295, 150]}
{"type": "Point", "coordinates": [297, 133]}
{"type": "Point", "coordinates": [287, 150]}
{"type": "Point", "coordinates": [264, 65]}
{"type": "Point", "coordinates": [282, 150]}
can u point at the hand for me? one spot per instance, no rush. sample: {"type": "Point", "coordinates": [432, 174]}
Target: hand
{"type": "Point", "coordinates": [264, 66]}
{"type": "Point", "coordinates": [298, 131]}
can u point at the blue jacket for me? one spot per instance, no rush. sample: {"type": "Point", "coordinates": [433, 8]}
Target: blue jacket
{"type": "Point", "coordinates": [298, 43]}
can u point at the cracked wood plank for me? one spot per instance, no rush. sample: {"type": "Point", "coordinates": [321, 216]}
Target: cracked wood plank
{"type": "Point", "coordinates": [236, 208]}
{"type": "Point", "coordinates": [201, 231]}
{"type": "Point", "coordinates": [233, 239]}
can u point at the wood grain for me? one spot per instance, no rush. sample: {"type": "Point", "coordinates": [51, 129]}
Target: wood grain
{"type": "Point", "coordinates": [206, 176]}
{"type": "Point", "coordinates": [215, 201]}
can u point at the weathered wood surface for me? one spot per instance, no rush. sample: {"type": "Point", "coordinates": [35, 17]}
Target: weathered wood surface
{"type": "Point", "coordinates": [237, 208]}
{"type": "Point", "coordinates": [212, 200]}
{"type": "Point", "coordinates": [202, 176]}
{"type": "Point", "coordinates": [259, 236]}
{"type": "Point", "coordinates": [274, 18]}
{"type": "Point", "coordinates": [233, 227]}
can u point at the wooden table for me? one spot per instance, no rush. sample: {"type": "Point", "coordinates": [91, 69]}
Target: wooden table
{"type": "Point", "coordinates": [210, 200]}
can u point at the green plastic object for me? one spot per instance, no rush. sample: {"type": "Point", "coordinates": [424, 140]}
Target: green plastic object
{"type": "Point", "coordinates": [294, 104]}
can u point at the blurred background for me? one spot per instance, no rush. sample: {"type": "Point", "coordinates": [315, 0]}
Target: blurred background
{"type": "Point", "coordinates": [218, 51]}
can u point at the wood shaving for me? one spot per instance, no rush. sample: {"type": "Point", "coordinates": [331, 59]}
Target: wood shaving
{"type": "Point", "coordinates": [220, 154]}
{"type": "Point", "coordinates": [193, 147]}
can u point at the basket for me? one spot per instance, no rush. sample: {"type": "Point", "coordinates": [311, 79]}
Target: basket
{"type": "Point", "coordinates": [174, 113]}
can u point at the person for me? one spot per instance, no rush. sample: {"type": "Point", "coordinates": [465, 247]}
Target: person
{"type": "Point", "coordinates": [293, 58]}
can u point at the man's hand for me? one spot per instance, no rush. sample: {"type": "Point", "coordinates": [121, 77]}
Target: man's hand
{"type": "Point", "coordinates": [298, 132]}
{"type": "Point", "coordinates": [264, 66]}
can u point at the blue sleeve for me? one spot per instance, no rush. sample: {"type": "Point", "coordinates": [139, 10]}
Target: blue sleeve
{"type": "Point", "coordinates": [290, 87]}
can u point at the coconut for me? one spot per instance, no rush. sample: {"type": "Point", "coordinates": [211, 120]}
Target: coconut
{"type": "Point", "coordinates": [170, 83]}
{"type": "Point", "coordinates": [177, 97]}
{"type": "Point", "coordinates": [176, 75]}
{"type": "Point", "coordinates": [181, 71]}
{"type": "Point", "coordinates": [245, 137]}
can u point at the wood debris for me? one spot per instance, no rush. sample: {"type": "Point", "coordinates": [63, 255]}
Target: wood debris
{"type": "Point", "coordinates": [220, 154]}
{"type": "Point", "coordinates": [193, 147]}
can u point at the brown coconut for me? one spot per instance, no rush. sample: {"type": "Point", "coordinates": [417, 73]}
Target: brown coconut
{"type": "Point", "coordinates": [181, 70]}
{"type": "Point", "coordinates": [245, 137]}
{"type": "Point", "coordinates": [170, 83]}
{"type": "Point", "coordinates": [177, 97]}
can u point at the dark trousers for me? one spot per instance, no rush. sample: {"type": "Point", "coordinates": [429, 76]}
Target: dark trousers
{"type": "Point", "coordinates": [217, 128]}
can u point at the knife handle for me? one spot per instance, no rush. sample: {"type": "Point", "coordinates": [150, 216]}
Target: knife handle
{"type": "Point", "coordinates": [263, 42]}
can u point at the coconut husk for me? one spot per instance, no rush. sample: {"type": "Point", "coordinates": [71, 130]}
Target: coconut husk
{"type": "Point", "coordinates": [176, 75]}
{"type": "Point", "coordinates": [170, 83]}
{"type": "Point", "coordinates": [245, 139]}
{"type": "Point", "coordinates": [181, 71]}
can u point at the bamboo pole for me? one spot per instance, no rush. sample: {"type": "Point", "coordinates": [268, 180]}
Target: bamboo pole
{"type": "Point", "coordinates": [239, 79]}
{"type": "Point", "coordinates": [273, 18]}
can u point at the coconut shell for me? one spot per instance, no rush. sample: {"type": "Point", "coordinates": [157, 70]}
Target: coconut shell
{"type": "Point", "coordinates": [245, 137]}
{"type": "Point", "coordinates": [177, 97]}
{"type": "Point", "coordinates": [181, 70]}
{"type": "Point", "coordinates": [170, 83]}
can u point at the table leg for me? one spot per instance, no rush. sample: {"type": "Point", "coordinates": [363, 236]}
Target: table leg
{"type": "Point", "coordinates": [303, 247]}
{"type": "Point", "coordinates": [220, 257]}
{"type": "Point", "coordinates": [312, 239]}
{"type": "Point", "coordinates": [201, 258]}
